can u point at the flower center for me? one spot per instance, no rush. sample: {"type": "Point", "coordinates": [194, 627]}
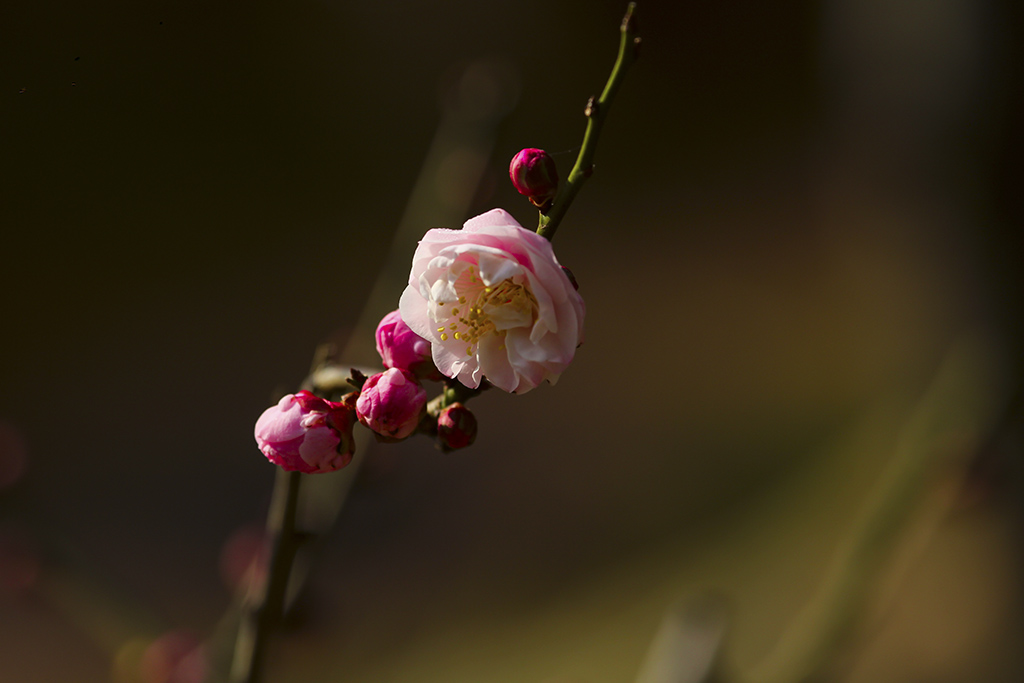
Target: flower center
{"type": "Point", "coordinates": [483, 309]}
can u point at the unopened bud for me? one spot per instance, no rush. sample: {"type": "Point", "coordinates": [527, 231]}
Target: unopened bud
{"type": "Point", "coordinates": [307, 433]}
{"type": "Point", "coordinates": [392, 403]}
{"type": "Point", "coordinates": [456, 427]}
{"type": "Point", "coordinates": [400, 347]}
{"type": "Point", "coordinates": [534, 175]}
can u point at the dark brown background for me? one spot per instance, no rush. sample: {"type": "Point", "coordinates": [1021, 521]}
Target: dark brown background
{"type": "Point", "coordinates": [797, 207]}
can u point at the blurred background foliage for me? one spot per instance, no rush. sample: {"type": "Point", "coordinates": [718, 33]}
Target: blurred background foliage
{"type": "Point", "coordinates": [797, 208]}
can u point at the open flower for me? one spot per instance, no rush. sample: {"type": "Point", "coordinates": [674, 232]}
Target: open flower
{"type": "Point", "coordinates": [494, 303]}
{"type": "Point", "coordinates": [307, 433]}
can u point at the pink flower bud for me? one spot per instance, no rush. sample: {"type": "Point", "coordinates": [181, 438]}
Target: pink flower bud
{"type": "Point", "coordinates": [391, 403]}
{"type": "Point", "coordinates": [400, 347]}
{"type": "Point", "coordinates": [307, 433]}
{"type": "Point", "coordinates": [456, 427]}
{"type": "Point", "coordinates": [534, 175]}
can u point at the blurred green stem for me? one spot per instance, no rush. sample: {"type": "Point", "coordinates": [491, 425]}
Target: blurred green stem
{"type": "Point", "coordinates": [596, 111]}
{"type": "Point", "coordinates": [946, 427]}
{"type": "Point", "coordinates": [957, 414]}
{"type": "Point", "coordinates": [264, 607]}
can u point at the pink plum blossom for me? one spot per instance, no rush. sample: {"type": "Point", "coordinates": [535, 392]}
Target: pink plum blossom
{"type": "Point", "coordinates": [307, 433]}
{"type": "Point", "coordinates": [494, 303]}
{"type": "Point", "coordinates": [400, 347]}
{"type": "Point", "coordinates": [391, 403]}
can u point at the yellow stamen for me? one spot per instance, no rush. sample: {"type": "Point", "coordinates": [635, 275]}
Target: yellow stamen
{"type": "Point", "coordinates": [475, 324]}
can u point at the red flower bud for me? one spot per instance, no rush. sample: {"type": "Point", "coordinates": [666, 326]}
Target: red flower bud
{"type": "Point", "coordinates": [399, 347]}
{"type": "Point", "coordinates": [456, 427]}
{"type": "Point", "coordinates": [534, 175]}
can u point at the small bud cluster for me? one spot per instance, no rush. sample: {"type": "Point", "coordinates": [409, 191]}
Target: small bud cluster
{"type": "Point", "coordinates": [306, 433]}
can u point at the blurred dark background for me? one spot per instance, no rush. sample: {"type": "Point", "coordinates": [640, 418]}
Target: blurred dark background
{"type": "Point", "coordinates": [797, 208]}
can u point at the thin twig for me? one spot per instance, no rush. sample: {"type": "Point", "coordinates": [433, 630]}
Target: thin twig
{"type": "Point", "coordinates": [596, 112]}
{"type": "Point", "coordinates": [265, 606]}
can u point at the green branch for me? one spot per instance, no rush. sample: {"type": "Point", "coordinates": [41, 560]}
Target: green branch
{"type": "Point", "coordinates": [264, 608]}
{"type": "Point", "coordinates": [596, 112]}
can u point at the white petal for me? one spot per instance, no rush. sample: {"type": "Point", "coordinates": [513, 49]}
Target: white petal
{"type": "Point", "coordinates": [496, 268]}
{"type": "Point", "coordinates": [413, 308]}
{"type": "Point", "coordinates": [495, 364]}
{"type": "Point", "coordinates": [455, 366]}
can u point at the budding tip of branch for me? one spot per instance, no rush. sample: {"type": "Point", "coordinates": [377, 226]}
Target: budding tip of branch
{"type": "Point", "coordinates": [591, 108]}
{"type": "Point", "coordinates": [628, 21]}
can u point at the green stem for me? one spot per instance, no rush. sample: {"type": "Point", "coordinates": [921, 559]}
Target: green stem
{"type": "Point", "coordinates": [596, 111]}
{"type": "Point", "coordinates": [454, 392]}
{"type": "Point", "coordinates": [264, 608]}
